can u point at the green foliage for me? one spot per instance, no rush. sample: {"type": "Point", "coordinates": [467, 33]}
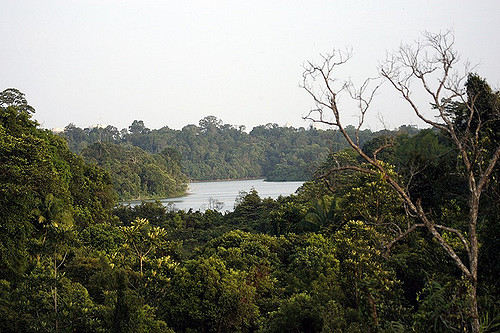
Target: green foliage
{"type": "Point", "coordinates": [372, 200]}
{"type": "Point", "coordinates": [369, 284]}
{"type": "Point", "coordinates": [297, 314]}
{"type": "Point", "coordinates": [42, 185]}
{"type": "Point", "coordinates": [250, 207]}
{"type": "Point", "coordinates": [214, 150]}
{"type": "Point", "coordinates": [484, 118]}
{"type": "Point", "coordinates": [427, 161]}
{"type": "Point", "coordinates": [142, 240]}
{"type": "Point", "coordinates": [207, 296]}
{"type": "Point", "coordinates": [443, 308]}
{"type": "Point", "coordinates": [47, 196]}
{"type": "Point", "coordinates": [130, 314]}
{"type": "Point", "coordinates": [288, 217]}
{"type": "Point", "coordinates": [137, 174]}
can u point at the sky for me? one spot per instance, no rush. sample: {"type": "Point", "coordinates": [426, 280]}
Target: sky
{"type": "Point", "coordinates": [171, 63]}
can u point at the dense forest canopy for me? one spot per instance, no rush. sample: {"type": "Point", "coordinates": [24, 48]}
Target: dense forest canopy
{"type": "Point", "coordinates": [137, 156]}
{"type": "Point", "coordinates": [137, 174]}
{"type": "Point", "coordinates": [326, 259]}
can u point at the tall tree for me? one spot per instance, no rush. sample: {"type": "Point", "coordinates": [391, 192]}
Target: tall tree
{"type": "Point", "coordinates": [138, 127]}
{"type": "Point", "coordinates": [432, 63]}
{"type": "Point", "coordinates": [143, 239]}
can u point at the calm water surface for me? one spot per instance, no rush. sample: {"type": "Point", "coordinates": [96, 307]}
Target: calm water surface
{"type": "Point", "coordinates": [201, 193]}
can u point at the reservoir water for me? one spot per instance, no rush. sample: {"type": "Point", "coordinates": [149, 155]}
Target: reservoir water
{"type": "Point", "coordinates": [202, 193]}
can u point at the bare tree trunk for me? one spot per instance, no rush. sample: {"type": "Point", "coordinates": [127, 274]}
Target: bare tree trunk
{"type": "Point", "coordinates": [430, 63]}
{"type": "Point", "coordinates": [474, 308]}
{"type": "Point", "coordinates": [473, 261]}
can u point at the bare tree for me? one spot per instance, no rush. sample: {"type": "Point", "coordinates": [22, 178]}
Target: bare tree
{"type": "Point", "coordinates": [431, 65]}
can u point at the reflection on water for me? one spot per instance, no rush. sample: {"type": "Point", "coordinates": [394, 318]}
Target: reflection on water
{"type": "Point", "coordinates": [205, 194]}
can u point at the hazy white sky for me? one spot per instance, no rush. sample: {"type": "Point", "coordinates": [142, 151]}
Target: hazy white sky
{"type": "Point", "coordinates": [170, 63]}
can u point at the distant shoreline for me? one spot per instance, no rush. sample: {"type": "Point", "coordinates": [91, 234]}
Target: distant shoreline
{"type": "Point", "coordinates": [152, 199]}
{"type": "Point", "coordinates": [226, 180]}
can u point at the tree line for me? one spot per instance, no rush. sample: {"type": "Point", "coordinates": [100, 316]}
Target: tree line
{"type": "Point", "coordinates": [213, 150]}
{"type": "Point", "coordinates": [137, 174]}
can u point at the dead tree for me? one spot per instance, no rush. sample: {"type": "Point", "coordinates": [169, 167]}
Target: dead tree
{"type": "Point", "coordinates": [431, 65]}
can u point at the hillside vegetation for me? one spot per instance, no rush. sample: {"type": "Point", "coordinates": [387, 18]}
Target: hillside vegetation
{"type": "Point", "coordinates": [213, 150]}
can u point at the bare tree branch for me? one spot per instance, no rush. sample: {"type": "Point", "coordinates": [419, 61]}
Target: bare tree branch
{"type": "Point", "coordinates": [456, 232]}
{"type": "Point", "coordinates": [430, 64]}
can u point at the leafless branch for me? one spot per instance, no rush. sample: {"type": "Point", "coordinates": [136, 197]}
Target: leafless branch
{"type": "Point", "coordinates": [456, 232]}
{"type": "Point", "coordinates": [346, 168]}
{"type": "Point", "coordinates": [379, 149]}
{"type": "Point", "coordinates": [431, 66]}
{"type": "Point", "coordinates": [402, 235]}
